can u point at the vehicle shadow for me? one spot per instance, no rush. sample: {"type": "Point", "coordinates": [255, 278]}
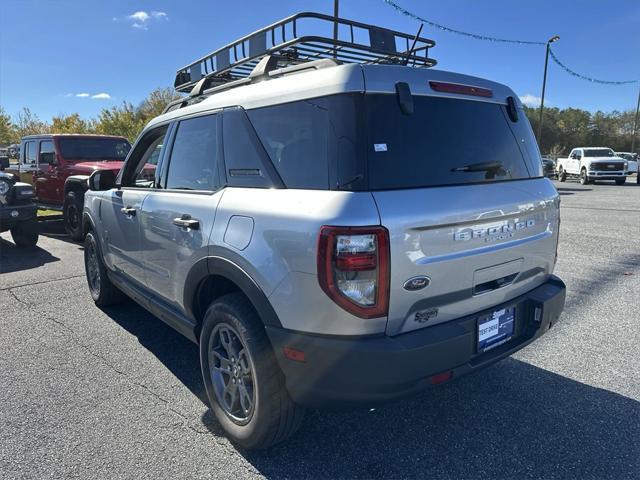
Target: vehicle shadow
{"type": "Point", "coordinates": [14, 259]}
{"type": "Point", "coordinates": [512, 420]}
{"type": "Point", "coordinates": [55, 229]}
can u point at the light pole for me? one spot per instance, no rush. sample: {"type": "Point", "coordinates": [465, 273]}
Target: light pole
{"type": "Point", "coordinates": [633, 138]}
{"type": "Point", "coordinates": [544, 85]}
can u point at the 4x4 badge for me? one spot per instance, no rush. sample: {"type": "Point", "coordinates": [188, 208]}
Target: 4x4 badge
{"type": "Point", "coordinates": [416, 283]}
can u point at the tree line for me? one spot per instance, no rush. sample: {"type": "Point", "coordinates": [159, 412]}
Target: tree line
{"type": "Point", "coordinates": [126, 119]}
{"type": "Point", "coordinates": [562, 129]}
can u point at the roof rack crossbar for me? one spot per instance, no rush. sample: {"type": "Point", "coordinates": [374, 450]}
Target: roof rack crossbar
{"type": "Point", "coordinates": [286, 43]}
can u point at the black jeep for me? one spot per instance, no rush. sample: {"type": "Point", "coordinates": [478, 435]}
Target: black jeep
{"type": "Point", "coordinates": [17, 209]}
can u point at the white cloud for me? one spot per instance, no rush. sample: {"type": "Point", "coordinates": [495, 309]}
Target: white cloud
{"type": "Point", "coordinates": [140, 16]}
{"type": "Point", "coordinates": [101, 96]}
{"type": "Point", "coordinates": [141, 19]}
{"type": "Point", "coordinates": [530, 100]}
{"type": "Point", "coordinates": [82, 95]}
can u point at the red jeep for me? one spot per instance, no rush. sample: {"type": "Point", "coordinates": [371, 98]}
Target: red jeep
{"type": "Point", "coordinates": [58, 167]}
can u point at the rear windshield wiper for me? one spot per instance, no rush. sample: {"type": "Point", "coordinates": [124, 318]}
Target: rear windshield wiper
{"type": "Point", "coordinates": [492, 169]}
{"type": "Point", "coordinates": [479, 167]}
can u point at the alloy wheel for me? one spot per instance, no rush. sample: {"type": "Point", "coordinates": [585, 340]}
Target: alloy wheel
{"type": "Point", "coordinates": [93, 269]}
{"type": "Point", "coordinates": [232, 373]}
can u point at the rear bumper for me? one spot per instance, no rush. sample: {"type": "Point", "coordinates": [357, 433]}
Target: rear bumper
{"type": "Point", "coordinates": [10, 215]}
{"type": "Point", "coordinates": [350, 371]}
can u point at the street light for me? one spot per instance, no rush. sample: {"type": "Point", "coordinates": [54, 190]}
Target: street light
{"type": "Point", "coordinates": [544, 85]}
{"type": "Point", "coordinates": [633, 138]}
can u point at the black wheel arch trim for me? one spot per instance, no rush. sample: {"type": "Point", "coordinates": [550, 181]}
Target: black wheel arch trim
{"type": "Point", "coordinates": [74, 181]}
{"type": "Point", "coordinates": [228, 268]}
{"type": "Point", "coordinates": [87, 222]}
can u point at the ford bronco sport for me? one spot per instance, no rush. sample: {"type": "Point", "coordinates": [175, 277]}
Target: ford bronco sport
{"type": "Point", "coordinates": [332, 224]}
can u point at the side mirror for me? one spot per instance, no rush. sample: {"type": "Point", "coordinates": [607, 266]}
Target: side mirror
{"type": "Point", "coordinates": [4, 162]}
{"type": "Point", "coordinates": [48, 158]}
{"type": "Point", "coordinates": [102, 180]}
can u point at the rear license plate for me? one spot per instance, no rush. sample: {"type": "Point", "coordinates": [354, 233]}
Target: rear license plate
{"type": "Point", "coordinates": [496, 328]}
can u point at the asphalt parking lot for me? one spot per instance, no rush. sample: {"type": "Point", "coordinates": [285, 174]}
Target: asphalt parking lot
{"type": "Point", "coordinates": [117, 394]}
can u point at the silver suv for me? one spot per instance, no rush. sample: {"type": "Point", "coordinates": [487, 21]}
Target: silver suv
{"type": "Point", "coordinates": [330, 233]}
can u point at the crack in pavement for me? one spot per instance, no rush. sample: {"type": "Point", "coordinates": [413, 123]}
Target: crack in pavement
{"type": "Point", "coordinates": [184, 420]}
{"type": "Point", "coordinates": [41, 282]}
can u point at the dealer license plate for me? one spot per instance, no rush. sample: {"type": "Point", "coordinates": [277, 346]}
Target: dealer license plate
{"type": "Point", "coordinates": [496, 328]}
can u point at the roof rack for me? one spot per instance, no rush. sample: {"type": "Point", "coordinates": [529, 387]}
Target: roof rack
{"type": "Point", "coordinates": [286, 44]}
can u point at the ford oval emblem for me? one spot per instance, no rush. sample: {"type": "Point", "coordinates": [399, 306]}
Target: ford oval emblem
{"type": "Point", "coordinates": [417, 283]}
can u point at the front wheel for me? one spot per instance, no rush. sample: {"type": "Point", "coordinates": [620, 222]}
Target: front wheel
{"type": "Point", "coordinates": [584, 179]}
{"type": "Point", "coordinates": [562, 175]}
{"type": "Point", "coordinates": [244, 384]}
{"type": "Point", "coordinates": [620, 181]}
{"type": "Point", "coordinates": [72, 213]}
{"type": "Point", "coordinates": [25, 234]}
{"type": "Point", "coordinates": [103, 291]}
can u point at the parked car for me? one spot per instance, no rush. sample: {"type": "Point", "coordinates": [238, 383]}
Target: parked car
{"type": "Point", "coordinates": [58, 167]}
{"type": "Point", "coordinates": [17, 209]}
{"type": "Point", "coordinates": [592, 163]}
{"type": "Point", "coordinates": [632, 161]}
{"type": "Point", "coordinates": [549, 167]}
{"type": "Point", "coordinates": [331, 233]}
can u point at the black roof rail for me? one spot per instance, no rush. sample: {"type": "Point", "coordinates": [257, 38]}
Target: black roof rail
{"type": "Point", "coordinates": [286, 44]}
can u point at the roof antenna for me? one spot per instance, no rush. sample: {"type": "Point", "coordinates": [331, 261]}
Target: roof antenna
{"type": "Point", "coordinates": [415, 40]}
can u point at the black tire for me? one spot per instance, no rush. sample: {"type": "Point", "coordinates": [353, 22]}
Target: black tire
{"type": "Point", "coordinates": [103, 292]}
{"type": "Point", "coordinates": [584, 179]}
{"type": "Point", "coordinates": [72, 214]}
{"type": "Point", "coordinates": [272, 416]}
{"type": "Point", "coordinates": [25, 234]}
{"type": "Point", "coordinates": [562, 175]}
{"type": "Point", "coordinates": [621, 181]}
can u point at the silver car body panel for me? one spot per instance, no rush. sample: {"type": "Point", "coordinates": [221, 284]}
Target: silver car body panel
{"type": "Point", "coordinates": [272, 234]}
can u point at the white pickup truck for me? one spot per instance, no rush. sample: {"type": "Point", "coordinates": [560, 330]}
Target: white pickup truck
{"type": "Point", "coordinates": [591, 164]}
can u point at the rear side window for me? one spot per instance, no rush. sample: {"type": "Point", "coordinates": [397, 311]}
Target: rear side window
{"type": "Point", "coordinates": [444, 142]}
{"type": "Point", "coordinates": [247, 163]}
{"type": "Point", "coordinates": [295, 136]}
{"type": "Point", "coordinates": [195, 155]}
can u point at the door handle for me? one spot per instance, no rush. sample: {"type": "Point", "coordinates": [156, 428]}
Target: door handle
{"type": "Point", "coordinates": [185, 221]}
{"type": "Point", "coordinates": [128, 211]}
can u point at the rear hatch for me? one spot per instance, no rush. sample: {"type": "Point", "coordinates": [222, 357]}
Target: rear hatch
{"type": "Point", "coordinates": [458, 183]}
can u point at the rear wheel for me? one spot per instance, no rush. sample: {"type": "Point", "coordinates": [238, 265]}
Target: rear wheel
{"type": "Point", "coordinates": [245, 386]}
{"type": "Point", "coordinates": [562, 175]}
{"type": "Point", "coordinates": [72, 212]}
{"type": "Point", "coordinates": [103, 292]}
{"type": "Point", "coordinates": [584, 179]}
{"type": "Point", "coordinates": [620, 181]}
{"type": "Point", "coordinates": [25, 234]}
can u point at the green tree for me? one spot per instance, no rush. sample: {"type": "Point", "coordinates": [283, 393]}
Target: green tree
{"type": "Point", "coordinates": [72, 124]}
{"type": "Point", "coordinates": [28, 123]}
{"type": "Point", "coordinates": [120, 120]}
{"type": "Point", "coordinates": [8, 132]}
{"type": "Point", "coordinates": [156, 102]}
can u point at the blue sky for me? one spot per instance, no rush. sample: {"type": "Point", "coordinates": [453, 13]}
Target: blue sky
{"type": "Point", "coordinates": [81, 56]}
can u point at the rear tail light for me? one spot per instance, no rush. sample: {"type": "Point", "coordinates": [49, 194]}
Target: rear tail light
{"type": "Point", "coordinates": [353, 268]}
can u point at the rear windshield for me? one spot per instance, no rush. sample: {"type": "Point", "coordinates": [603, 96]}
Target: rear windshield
{"type": "Point", "coordinates": [444, 142]}
{"type": "Point", "coordinates": [365, 142]}
{"type": "Point", "coordinates": [93, 148]}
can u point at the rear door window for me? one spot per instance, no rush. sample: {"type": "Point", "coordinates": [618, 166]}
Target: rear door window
{"type": "Point", "coordinates": [444, 142]}
{"type": "Point", "coordinates": [30, 153]}
{"type": "Point", "coordinates": [195, 154]}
